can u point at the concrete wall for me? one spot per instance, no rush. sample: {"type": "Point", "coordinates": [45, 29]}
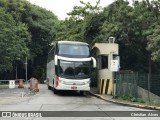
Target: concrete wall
{"type": "Point", "coordinates": [104, 74]}
{"type": "Point", "coordinates": [142, 93]}
{"type": "Point", "coordinates": [135, 91]}
{"type": "Point", "coordinates": [108, 49]}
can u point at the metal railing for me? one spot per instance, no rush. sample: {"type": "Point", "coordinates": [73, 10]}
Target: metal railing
{"type": "Point", "coordinates": [141, 87]}
{"type": "Point", "coordinates": [17, 87]}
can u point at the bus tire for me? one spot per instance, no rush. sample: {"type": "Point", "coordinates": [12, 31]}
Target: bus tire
{"type": "Point", "coordinates": [55, 91]}
{"type": "Point", "coordinates": [49, 87]}
{"type": "Point", "coordinates": [81, 92]}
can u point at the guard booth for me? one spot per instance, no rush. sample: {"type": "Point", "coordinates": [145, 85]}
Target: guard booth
{"type": "Point", "coordinates": [107, 58]}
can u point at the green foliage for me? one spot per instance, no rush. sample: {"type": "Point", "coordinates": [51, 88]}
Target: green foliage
{"type": "Point", "coordinates": [140, 100]}
{"type": "Point", "coordinates": [39, 72]}
{"type": "Point", "coordinates": [26, 29]}
{"type": "Point", "coordinates": [154, 43]}
{"type": "Point", "coordinates": [91, 28]}
{"type": "Point", "coordinates": [71, 30]}
{"type": "Point", "coordinates": [94, 77]}
{"type": "Point", "coordinates": [74, 26]}
{"type": "Point", "coordinates": [132, 99]}
{"type": "Point", "coordinates": [80, 12]}
{"type": "Point", "coordinates": [135, 28]}
{"type": "Point", "coordinates": [155, 103]}
{"type": "Point", "coordinates": [13, 40]}
{"type": "Point", "coordinates": [43, 26]}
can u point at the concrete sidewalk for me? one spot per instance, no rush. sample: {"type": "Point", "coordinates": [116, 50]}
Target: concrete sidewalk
{"type": "Point", "coordinates": [94, 92]}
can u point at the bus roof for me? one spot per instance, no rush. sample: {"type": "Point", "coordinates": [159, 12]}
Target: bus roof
{"type": "Point", "coordinates": [68, 42]}
{"type": "Point", "coordinates": [71, 42]}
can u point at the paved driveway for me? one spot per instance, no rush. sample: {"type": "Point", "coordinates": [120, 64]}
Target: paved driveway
{"type": "Point", "coordinates": [46, 100]}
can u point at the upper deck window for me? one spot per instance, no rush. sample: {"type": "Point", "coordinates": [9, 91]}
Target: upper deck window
{"type": "Point", "coordinates": [73, 50]}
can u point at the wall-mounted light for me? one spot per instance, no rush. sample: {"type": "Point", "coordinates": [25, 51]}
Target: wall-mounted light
{"type": "Point", "coordinates": [111, 39]}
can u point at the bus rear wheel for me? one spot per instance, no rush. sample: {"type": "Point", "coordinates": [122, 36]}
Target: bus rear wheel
{"type": "Point", "coordinates": [49, 87]}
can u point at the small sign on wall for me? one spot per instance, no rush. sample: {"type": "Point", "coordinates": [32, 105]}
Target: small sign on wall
{"type": "Point", "coordinates": [12, 84]}
{"type": "Point", "coordinates": [114, 65]}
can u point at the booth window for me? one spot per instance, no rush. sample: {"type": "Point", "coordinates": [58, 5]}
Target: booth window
{"type": "Point", "coordinates": [103, 62]}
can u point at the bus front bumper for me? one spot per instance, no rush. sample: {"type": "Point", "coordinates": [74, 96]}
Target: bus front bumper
{"type": "Point", "coordinates": [79, 85]}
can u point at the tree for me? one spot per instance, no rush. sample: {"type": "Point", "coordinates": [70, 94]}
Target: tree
{"type": "Point", "coordinates": [42, 26]}
{"type": "Point", "coordinates": [74, 26]}
{"type": "Point", "coordinates": [154, 44]}
{"type": "Point", "coordinates": [13, 37]}
{"type": "Point", "coordinates": [131, 25]}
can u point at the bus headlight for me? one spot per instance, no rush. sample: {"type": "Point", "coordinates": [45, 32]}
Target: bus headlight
{"type": "Point", "coordinates": [88, 82]}
{"type": "Point", "coordinates": [61, 81]}
{"type": "Point", "coordinates": [84, 83]}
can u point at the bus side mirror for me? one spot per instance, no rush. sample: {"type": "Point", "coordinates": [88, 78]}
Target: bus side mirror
{"type": "Point", "coordinates": [94, 62]}
{"type": "Point", "coordinates": [56, 60]}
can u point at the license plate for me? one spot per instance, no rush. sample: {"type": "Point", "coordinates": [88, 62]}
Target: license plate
{"type": "Point", "coordinates": [74, 88]}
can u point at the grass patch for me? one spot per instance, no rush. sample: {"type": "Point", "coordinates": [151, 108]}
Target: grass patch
{"type": "Point", "coordinates": [132, 99]}
{"type": "Point", "coordinates": [155, 103]}
{"type": "Point", "coordinates": [138, 100]}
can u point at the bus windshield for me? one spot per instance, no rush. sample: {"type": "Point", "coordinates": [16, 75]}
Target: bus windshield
{"type": "Point", "coordinates": [74, 70]}
{"type": "Point", "coordinates": [74, 50]}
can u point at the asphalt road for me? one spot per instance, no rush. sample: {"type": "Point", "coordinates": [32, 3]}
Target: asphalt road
{"type": "Point", "coordinates": [46, 100]}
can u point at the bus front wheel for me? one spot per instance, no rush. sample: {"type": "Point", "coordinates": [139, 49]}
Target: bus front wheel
{"type": "Point", "coordinates": [55, 91]}
{"type": "Point", "coordinates": [81, 92]}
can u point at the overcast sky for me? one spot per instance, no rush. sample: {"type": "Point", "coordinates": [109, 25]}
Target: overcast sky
{"type": "Point", "coordinates": [61, 7]}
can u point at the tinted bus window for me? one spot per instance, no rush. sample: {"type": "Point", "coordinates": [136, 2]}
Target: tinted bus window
{"type": "Point", "coordinates": [69, 69]}
{"type": "Point", "coordinates": [69, 50]}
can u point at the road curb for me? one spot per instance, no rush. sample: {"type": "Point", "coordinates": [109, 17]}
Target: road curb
{"type": "Point", "coordinates": [126, 104]}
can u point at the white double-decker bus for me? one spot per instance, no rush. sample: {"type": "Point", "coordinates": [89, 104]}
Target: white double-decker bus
{"type": "Point", "coordinates": [69, 66]}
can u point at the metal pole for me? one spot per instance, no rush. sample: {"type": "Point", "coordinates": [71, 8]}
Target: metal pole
{"type": "Point", "coordinates": [16, 71]}
{"type": "Point", "coordinates": [111, 58]}
{"type": "Point", "coordinates": [149, 77]}
{"type": "Point", "coordinates": [113, 83]}
{"type": "Point", "coordinates": [26, 68]}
